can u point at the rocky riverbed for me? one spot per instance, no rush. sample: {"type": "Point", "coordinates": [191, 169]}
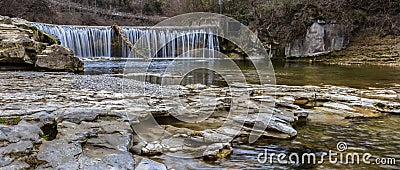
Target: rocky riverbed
{"type": "Point", "coordinates": [69, 121]}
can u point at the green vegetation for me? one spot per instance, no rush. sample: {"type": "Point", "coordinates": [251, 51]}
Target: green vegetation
{"type": "Point", "coordinates": [40, 35]}
{"type": "Point", "coordinates": [10, 121]}
{"type": "Point", "coordinates": [49, 131]}
{"type": "Point", "coordinates": [34, 28]}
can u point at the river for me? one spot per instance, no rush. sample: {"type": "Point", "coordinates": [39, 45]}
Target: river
{"type": "Point", "coordinates": [357, 76]}
{"type": "Point", "coordinates": [378, 136]}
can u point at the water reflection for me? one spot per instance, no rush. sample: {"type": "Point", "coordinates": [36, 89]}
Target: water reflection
{"type": "Point", "coordinates": [286, 73]}
{"type": "Point", "coordinates": [357, 76]}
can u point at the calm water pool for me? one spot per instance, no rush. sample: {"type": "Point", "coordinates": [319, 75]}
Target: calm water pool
{"type": "Point", "coordinates": [361, 76]}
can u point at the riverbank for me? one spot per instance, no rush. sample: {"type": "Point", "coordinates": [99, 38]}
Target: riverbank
{"type": "Point", "coordinates": [369, 50]}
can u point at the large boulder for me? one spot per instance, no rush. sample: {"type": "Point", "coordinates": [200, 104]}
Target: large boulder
{"type": "Point", "coordinates": [321, 38]}
{"type": "Point", "coordinates": [16, 46]}
{"type": "Point", "coordinates": [23, 45]}
{"type": "Point", "coordinates": [57, 57]}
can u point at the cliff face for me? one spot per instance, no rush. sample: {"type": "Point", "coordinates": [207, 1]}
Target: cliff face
{"type": "Point", "coordinates": [289, 25]}
{"type": "Point", "coordinates": [320, 39]}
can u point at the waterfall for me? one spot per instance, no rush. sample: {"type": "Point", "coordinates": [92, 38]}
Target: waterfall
{"type": "Point", "coordinates": [172, 41]}
{"type": "Point", "coordinates": [83, 41]}
{"type": "Point", "coordinates": [220, 6]}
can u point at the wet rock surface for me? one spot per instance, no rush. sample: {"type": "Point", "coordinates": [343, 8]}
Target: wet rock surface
{"type": "Point", "coordinates": [96, 123]}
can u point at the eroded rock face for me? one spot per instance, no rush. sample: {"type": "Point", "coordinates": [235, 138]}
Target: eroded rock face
{"type": "Point", "coordinates": [23, 45]}
{"type": "Point", "coordinates": [24, 131]}
{"type": "Point", "coordinates": [17, 143]}
{"type": "Point", "coordinates": [17, 46]}
{"type": "Point", "coordinates": [57, 57]}
{"type": "Point", "coordinates": [321, 38]}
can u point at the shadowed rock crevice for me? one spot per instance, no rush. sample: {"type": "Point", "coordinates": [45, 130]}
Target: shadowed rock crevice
{"type": "Point", "coordinates": [49, 131]}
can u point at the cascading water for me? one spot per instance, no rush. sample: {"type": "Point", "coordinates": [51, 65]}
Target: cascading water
{"type": "Point", "coordinates": [83, 41]}
{"type": "Point", "coordinates": [172, 42]}
{"type": "Point", "coordinates": [220, 6]}
{"type": "Point", "coordinates": [97, 41]}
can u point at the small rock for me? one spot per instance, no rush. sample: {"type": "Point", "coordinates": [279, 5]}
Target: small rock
{"type": "Point", "coordinates": [112, 141]}
{"type": "Point", "coordinates": [76, 115]}
{"type": "Point", "coordinates": [57, 57]}
{"type": "Point", "coordinates": [116, 160]}
{"type": "Point", "coordinates": [17, 165]}
{"type": "Point", "coordinates": [217, 150]}
{"type": "Point", "coordinates": [23, 131]}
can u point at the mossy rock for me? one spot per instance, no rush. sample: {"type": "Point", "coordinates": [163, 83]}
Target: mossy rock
{"type": "Point", "coordinates": [40, 35]}
{"type": "Point", "coordinates": [44, 37]}
{"type": "Point", "coordinates": [10, 121]}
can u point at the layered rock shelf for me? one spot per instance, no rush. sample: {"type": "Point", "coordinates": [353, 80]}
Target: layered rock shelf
{"type": "Point", "coordinates": [23, 46]}
{"type": "Point", "coordinates": [67, 121]}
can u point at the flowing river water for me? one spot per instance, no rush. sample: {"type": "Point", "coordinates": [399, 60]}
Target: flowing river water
{"type": "Point", "coordinates": [379, 137]}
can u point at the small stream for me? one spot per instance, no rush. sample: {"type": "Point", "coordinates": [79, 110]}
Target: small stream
{"type": "Point", "coordinates": [378, 136]}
